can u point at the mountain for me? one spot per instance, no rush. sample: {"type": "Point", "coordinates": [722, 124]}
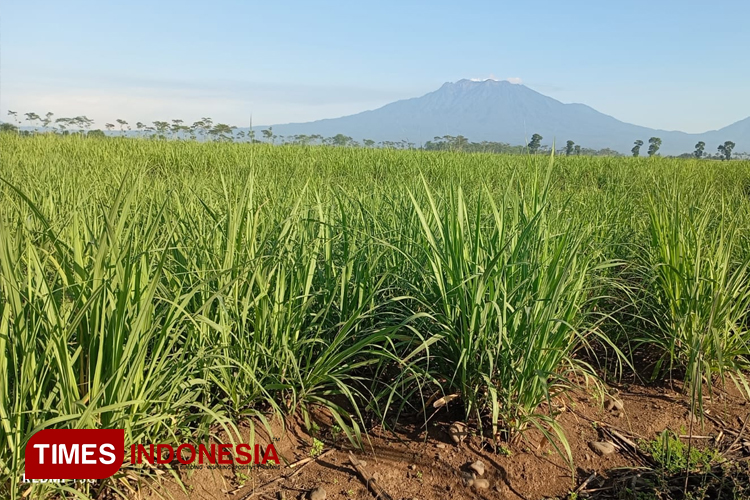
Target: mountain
{"type": "Point", "coordinates": [501, 111]}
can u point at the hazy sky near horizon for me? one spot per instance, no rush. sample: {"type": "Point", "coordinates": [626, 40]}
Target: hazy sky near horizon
{"type": "Point", "coordinates": [669, 64]}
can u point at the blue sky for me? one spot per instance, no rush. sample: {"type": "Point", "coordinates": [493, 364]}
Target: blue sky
{"type": "Point", "coordinates": [668, 64]}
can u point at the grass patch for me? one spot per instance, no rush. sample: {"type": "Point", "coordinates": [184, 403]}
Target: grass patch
{"type": "Point", "coordinates": [174, 288]}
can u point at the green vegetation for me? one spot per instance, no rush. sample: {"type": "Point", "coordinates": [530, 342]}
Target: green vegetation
{"type": "Point", "coordinates": [696, 285]}
{"type": "Point", "coordinates": [317, 448]}
{"type": "Point", "coordinates": [682, 471]}
{"type": "Point", "coordinates": [673, 456]}
{"type": "Point", "coordinates": [170, 287]}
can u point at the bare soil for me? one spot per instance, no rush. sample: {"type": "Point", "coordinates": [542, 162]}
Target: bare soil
{"type": "Point", "coordinates": [414, 462]}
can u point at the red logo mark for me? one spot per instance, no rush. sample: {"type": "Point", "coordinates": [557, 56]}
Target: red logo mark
{"type": "Point", "coordinates": [75, 453]}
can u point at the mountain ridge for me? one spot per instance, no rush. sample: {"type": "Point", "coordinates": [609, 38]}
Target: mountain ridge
{"type": "Point", "coordinates": [501, 111]}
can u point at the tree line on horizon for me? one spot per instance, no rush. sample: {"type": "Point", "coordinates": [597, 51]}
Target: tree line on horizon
{"type": "Point", "coordinates": [205, 129]}
{"type": "Point", "coordinates": [724, 151]}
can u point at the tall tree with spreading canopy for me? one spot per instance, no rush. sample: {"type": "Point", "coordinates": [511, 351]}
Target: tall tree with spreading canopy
{"type": "Point", "coordinates": [82, 122]}
{"type": "Point", "coordinates": [63, 123]}
{"type": "Point", "coordinates": [222, 132]}
{"type": "Point", "coordinates": [122, 123]}
{"type": "Point", "coordinates": [32, 118]}
{"type": "Point", "coordinates": [161, 128]}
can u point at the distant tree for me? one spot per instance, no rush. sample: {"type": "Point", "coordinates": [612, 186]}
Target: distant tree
{"type": "Point", "coordinates": [8, 128]}
{"type": "Point", "coordinates": [725, 150]}
{"type": "Point", "coordinates": [177, 127]}
{"type": "Point", "coordinates": [653, 145]}
{"type": "Point", "coordinates": [222, 132]}
{"type": "Point", "coordinates": [140, 127]}
{"type": "Point", "coordinates": [534, 144]}
{"type": "Point", "coordinates": [109, 126]}
{"type": "Point", "coordinates": [198, 128]}
{"type": "Point", "coordinates": [461, 143]}
{"type": "Point", "coordinates": [122, 124]}
{"type": "Point", "coordinates": [14, 114]}
{"type": "Point", "coordinates": [208, 124]}
{"type": "Point", "coordinates": [47, 120]}
{"type": "Point", "coordinates": [82, 122]}
{"type": "Point", "coordinates": [368, 143]}
{"type": "Point", "coordinates": [341, 140]}
{"type": "Point", "coordinates": [578, 150]}
{"type": "Point", "coordinates": [699, 149]}
{"type": "Point", "coordinates": [96, 133]}
{"type": "Point", "coordinates": [63, 123]}
{"type": "Point", "coordinates": [32, 118]}
{"type": "Point", "coordinates": [637, 148]}
{"type": "Point", "coordinates": [606, 152]}
{"type": "Point", "coordinates": [268, 134]}
{"type": "Point", "coordinates": [161, 129]}
{"type": "Point", "coordinates": [569, 148]}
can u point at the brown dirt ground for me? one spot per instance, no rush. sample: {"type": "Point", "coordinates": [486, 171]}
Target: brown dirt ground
{"type": "Point", "coordinates": [413, 464]}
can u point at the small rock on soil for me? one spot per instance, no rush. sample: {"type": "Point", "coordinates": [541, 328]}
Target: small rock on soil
{"type": "Point", "coordinates": [458, 432]}
{"type": "Point", "coordinates": [602, 447]}
{"type": "Point", "coordinates": [478, 467]}
{"type": "Point", "coordinates": [317, 494]}
{"type": "Point", "coordinates": [481, 484]}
